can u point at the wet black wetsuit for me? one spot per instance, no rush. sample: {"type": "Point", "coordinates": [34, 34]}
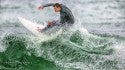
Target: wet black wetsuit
{"type": "Point", "coordinates": [66, 16]}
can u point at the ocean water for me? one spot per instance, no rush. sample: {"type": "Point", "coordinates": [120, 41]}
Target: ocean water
{"type": "Point", "coordinates": [95, 42]}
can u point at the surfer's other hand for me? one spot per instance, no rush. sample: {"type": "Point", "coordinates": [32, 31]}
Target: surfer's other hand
{"type": "Point", "coordinates": [50, 23]}
{"type": "Point", "coordinates": [40, 7]}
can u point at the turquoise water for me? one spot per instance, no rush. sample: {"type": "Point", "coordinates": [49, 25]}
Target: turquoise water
{"type": "Point", "coordinates": [96, 42]}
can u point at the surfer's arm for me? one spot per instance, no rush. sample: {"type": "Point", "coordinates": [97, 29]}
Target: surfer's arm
{"type": "Point", "coordinates": [62, 18]}
{"type": "Point", "coordinates": [46, 5]}
{"type": "Point", "coordinates": [50, 4]}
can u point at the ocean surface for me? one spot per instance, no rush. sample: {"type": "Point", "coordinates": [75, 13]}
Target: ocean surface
{"type": "Point", "coordinates": [95, 42]}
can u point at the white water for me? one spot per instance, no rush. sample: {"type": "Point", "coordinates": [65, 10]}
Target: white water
{"type": "Point", "coordinates": [91, 16]}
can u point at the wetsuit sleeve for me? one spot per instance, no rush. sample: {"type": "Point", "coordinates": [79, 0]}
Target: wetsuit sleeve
{"type": "Point", "coordinates": [50, 4]}
{"type": "Point", "coordinates": [62, 18]}
{"type": "Point", "coordinates": [71, 18]}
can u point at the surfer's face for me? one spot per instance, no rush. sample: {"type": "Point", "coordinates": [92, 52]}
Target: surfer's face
{"type": "Point", "coordinates": [57, 9]}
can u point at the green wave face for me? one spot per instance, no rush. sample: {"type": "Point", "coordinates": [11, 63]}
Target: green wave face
{"type": "Point", "coordinates": [17, 56]}
{"type": "Point", "coordinates": [67, 53]}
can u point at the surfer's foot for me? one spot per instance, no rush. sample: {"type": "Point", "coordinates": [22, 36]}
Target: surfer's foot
{"type": "Point", "coordinates": [38, 29]}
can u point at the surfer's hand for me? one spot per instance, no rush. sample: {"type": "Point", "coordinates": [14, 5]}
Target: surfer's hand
{"type": "Point", "coordinates": [40, 7]}
{"type": "Point", "coordinates": [50, 23]}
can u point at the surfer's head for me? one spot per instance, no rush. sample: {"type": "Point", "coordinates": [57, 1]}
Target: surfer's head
{"type": "Point", "coordinates": [57, 7]}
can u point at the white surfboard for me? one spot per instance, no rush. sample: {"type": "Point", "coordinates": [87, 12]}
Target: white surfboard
{"type": "Point", "coordinates": [33, 26]}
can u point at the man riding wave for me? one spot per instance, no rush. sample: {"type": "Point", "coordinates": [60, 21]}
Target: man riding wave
{"type": "Point", "coordinates": [66, 16]}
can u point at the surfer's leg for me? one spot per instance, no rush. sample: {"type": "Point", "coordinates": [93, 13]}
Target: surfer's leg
{"type": "Point", "coordinates": [44, 29]}
{"type": "Point", "coordinates": [53, 23]}
{"type": "Point", "coordinates": [48, 27]}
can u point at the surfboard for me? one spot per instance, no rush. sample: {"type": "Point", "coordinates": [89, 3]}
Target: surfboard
{"type": "Point", "coordinates": [33, 27]}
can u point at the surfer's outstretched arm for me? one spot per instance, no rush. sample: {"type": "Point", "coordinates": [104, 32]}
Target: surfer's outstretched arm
{"type": "Point", "coordinates": [48, 5]}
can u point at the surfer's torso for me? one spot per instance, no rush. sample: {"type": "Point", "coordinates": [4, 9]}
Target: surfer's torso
{"type": "Point", "coordinates": [66, 16]}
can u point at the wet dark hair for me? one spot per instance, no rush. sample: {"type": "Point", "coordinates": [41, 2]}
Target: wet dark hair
{"type": "Point", "coordinates": [57, 5]}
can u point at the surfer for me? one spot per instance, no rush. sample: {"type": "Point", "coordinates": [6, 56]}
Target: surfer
{"type": "Point", "coordinates": [66, 16]}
